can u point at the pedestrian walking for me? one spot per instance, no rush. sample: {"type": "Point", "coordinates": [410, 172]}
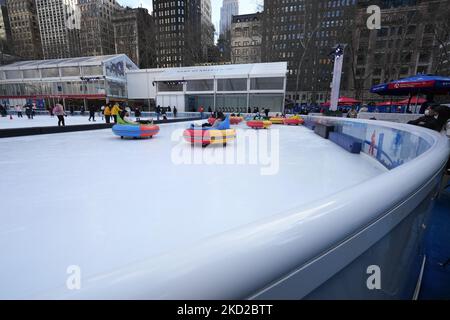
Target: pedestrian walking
{"type": "Point", "coordinates": [92, 111]}
{"type": "Point", "coordinates": [58, 110]}
{"type": "Point", "coordinates": [19, 110]}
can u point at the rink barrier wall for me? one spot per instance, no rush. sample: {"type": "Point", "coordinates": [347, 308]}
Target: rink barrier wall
{"type": "Point", "coordinates": [323, 249]}
{"type": "Point", "coordinates": [33, 131]}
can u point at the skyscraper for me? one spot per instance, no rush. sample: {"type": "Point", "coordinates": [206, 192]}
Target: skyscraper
{"type": "Point", "coordinates": [97, 31]}
{"type": "Point", "coordinates": [207, 28]}
{"type": "Point", "coordinates": [5, 29]}
{"type": "Point", "coordinates": [179, 32]}
{"type": "Point", "coordinates": [229, 9]}
{"type": "Point", "coordinates": [246, 38]}
{"type": "Point", "coordinates": [304, 34]}
{"type": "Point", "coordinates": [134, 34]}
{"type": "Point", "coordinates": [59, 24]}
{"type": "Point", "coordinates": [414, 39]}
{"type": "Point", "coordinates": [24, 28]}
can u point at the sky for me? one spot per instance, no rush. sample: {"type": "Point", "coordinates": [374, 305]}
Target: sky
{"type": "Point", "coordinates": [245, 6]}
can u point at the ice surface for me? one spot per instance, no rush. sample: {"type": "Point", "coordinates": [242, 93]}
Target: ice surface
{"type": "Point", "coordinates": [93, 200]}
{"type": "Point", "coordinates": [47, 121]}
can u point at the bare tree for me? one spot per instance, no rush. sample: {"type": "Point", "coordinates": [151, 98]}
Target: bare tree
{"type": "Point", "coordinates": [404, 46]}
{"type": "Point", "coordinates": [309, 34]}
{"type": "Point", "coordinates": [442, 37]}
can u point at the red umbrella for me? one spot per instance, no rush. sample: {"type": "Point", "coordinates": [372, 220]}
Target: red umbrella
{"type": "Point", "coordinates": [343, 101]}
{"type": "Point", "coordinates": [414, 101]}
{"type": "Point", "coordinates": [387, 104]}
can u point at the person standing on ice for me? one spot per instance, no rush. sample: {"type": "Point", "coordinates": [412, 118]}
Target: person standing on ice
{"type": "Point", "coordinates": [115, 112]}
{"type": "Point", "coordinates": [158, 112]}
{"type": "Point", "coordinates": [58, 111]}
{"type": "Point", "coordinates": [29, 111]}
{"type": "Point", "coordinates": [19, 110]}
{"type": "Point", "coordinates": [92, 111]}
{"type": "Point", "coordinates": [107, 113]}
{"type": "Point", "coordinates": [137, 113]}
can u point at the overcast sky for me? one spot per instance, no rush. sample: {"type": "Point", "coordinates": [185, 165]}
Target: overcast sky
{"type": "Point", "coordinates": [245, 6]}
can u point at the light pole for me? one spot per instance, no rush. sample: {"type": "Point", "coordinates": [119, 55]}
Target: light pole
{"type": "Point", "coordinates": [337, 74]}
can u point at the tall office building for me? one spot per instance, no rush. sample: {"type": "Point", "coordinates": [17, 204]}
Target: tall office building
{"type": "Point", "coordinates": [24, 29]}
{"type": "Point", "coordinates": [97, 31]}
{"type": "Point", "coordinates": [134, 34]}
{"type": "Point", "coordinates": [414, 39]}
{"type": "Point", "coordinates": [246, 38]}
{"type": "Point", "coordinates": [304, 33]}
{"type": "Point", "coordinates": [59, 25]}
{"type": "Point", "coordinates": [5, 28]}
{"type": "Point", "coordinates": [179, 36]}
{"type": "Point", "coordinates": [229, 9]}
{"type": "Point", "coordinates": [207, 28]}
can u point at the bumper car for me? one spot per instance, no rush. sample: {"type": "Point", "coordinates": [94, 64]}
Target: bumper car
{"type": "Point", "coordinates": [294, 121]}
{"type": "Point", "coordinates": [128, 129]}
{"type": "Point", "coordinates": [236, 120]}
{"type": "Point", "coordinates": [259, 124]}
{"type": "Point", "coordinates": [277, 120]}
{"type": "Point", "coordinates": [209, 136]}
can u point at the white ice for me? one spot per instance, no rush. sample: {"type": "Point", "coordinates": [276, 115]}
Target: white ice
{"type": "Point", "coordinates": [93, 200]}
{"type": "Point", "coordinates": [47, 121]}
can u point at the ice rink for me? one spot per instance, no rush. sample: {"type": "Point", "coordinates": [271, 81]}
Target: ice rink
{"type": "Point", "coordinates": [93, 200]}
{"type": "Point", "coordinates": [47, 121]}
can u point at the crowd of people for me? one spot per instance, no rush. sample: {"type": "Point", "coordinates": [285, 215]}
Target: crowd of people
{"type": "Point", "coordinates": [30, 111]}
{"type": "Point", "coordinates": [435, 116]}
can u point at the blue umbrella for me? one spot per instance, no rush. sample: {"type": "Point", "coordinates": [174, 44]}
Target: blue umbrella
{"type": "Point", "coordinates": [419, 84]}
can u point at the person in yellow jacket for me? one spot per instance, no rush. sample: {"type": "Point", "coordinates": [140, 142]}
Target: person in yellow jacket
{"type": "Point", "coordinates": [107, 113]}
{"type": "Point", "coordinates": [115, 112]}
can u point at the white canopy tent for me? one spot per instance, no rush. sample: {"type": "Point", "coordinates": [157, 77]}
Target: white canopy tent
{"type": "Point", "coordinates": [149, 84]}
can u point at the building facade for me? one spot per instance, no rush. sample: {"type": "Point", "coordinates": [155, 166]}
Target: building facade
{"type": "Point", "coordinates": [5, 32]}
{"type": "Point", "coordinates": [207, 28]}
{"type": "Point", "coordinates": [304, 33]}
{"type": "Point", "coordinates": [246, 38]}
{"type": "Point", "coordinates": [178, 32]}
{"type": "Point", "coordinates": [24, 29]}
{"type": "Point", "coordinates": [229, 9]}
{"type": "Point", "coordinates": [59, 25]}
{"type": "Point", "coordinates": [228, 88]}
{"type": "Point", "coordinates": [5, 28]}
{"type": "Point", "coordinates": [413, 39]}
{"type": "Point", "coordinates": [134, 35]}
{"type": "Point", "coordinates": [97, 32]}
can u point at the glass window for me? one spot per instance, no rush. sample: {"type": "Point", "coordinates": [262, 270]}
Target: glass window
{"type": "Point", "coordinates": [50, 73]}
{"type": "Point", "coordinates": [92, 71]}
{"type": "Point", "coordinates": [267, 84]}
{"type": "Point", "coordinates": [232, 85]}
{"type": "Point", "coordinates": [70, 72]}
{"type": "Point", "coordinates": [200, 85]}
{"type": "Point", "coordinates": [13, 74]}
{"type": "Point", "coordinates": [31, 74]}
{"type": "Point", "coordinates": [195, 101]}
{"type": "Point", "coordinates": [228, 102]}
{"type": "Point", "coordinates": [170, 86]}
{"type": "Point", "coordinates": [273, 102]}
{"type": "Point", "coordinates": [116, 89]}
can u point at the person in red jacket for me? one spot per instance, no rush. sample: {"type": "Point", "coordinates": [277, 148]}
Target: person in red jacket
{"type": "Point", "coordinates": [201, 110]}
